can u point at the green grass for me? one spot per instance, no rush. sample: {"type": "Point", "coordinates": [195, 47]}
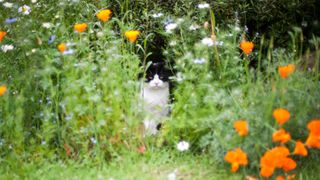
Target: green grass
{"type": "Point", "coordinates": [152, 165]}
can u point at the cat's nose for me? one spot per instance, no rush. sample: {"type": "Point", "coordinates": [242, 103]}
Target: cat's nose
{"type": "Point", "coordinates": [156, 84]}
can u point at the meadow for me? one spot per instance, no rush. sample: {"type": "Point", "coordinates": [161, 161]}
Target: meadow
{"type": "Point", "coordinates": [245, 105]}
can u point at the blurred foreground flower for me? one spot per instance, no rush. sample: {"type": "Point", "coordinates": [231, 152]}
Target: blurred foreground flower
{"type": "Point", "coordinates": [285, 71]}
{"type": "Point", "coordinates": [203, 6]}
{"type": "Point", "coordinates": [3, 89]}
{"type": "Point", "coordinates": [236, 158]}
{"type": "Point", "coordinates": [241, 127]}
{"type": "Point", "coordinates": [104, 15]}
{"type": "Point", "coordinates": [62, 47]}
{"type": "Point", "coordinates": [132, 35]}
{"type": "Point", "coordinates": [281, 115]}
{"type": "Point", "coordinates": [80, 27]}
{"type": "Point", "coordinates": [2, 35]}
{"type": "Point", "coordinates": [246, 47]}
{"type": "Point", "coordinates": [8, 5]}
{"type": "Point", "coordinates": [25, 10]}
{"type": "Point", "coordinates": [183, 146]}
{"type": "Point", "coordinates": [170, 27]}
{"type": "Point", "coordinates": [10, 20]}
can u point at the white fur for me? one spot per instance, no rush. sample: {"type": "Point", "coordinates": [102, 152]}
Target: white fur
{"type": "Point", "coordinates": [155, 95]}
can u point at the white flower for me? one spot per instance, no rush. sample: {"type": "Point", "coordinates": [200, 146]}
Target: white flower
{"type": "Point", "coordinates": [183, 146]}
{"type": "Point", "coordinates": [172, 176]}
{"type": "Point", "coordinates": [100, 34]}
{"type": "Point", "coordinates": [1, 0]}
{"type": "Point", "coordinates": [7, 47]}
{"type": "Point", "coordinates": [34, 1]}
{"type": "Point", "coordinates": [172, 43]}
{"type": "Point", "coordinates": [47, 25]}
{"type": "Point", "coordinates": [199, 60]}
{"type": "Point", "coordinates": [203, 5]}
{"type": "Point", "coordinates": [170, 27]}
{"type": "Point", "coordinates": [25, 10]}
{"type": "Point", "coordinates": [194, 27]}
{"type": "Point", "coordinates": [207, 41]}
{"type": "Point", "coordinates": [8, 5]}
{"type": "Point", "coordinates": [157, 15]}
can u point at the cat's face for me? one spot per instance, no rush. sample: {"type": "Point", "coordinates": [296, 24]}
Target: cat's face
{"type": "Point", "coordinates": [156, 76]}
{"type": "Point", "coordinates": [156, 82]}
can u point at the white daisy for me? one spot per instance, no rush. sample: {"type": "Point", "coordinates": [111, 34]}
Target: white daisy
{"type": "Point", "coordinates": [25, 10]}
{"type": "Point", "coordinates": [170, 27]}
{"type": "Point", "coordinates": [8, 5]}
{"type": "Point", "coordinates": [7, 47]}
{"type": "Point", "coordinates": [203, 6]}
{"type": "Point", "coordinates": [183, 146]}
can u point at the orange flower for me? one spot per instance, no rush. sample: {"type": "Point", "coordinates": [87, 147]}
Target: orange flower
{"type": "Point", "coordinates": [236, 158]}
{"type": "Point", "coordinates": [288, 164]}
{"type": "Point", "coordinates": [281, 115]}
{"type": "Point", "coordinates": [314, 135]}
{"type": "Point", "coordinates": [62, 47]}
{"type": "Point", "coordinates": [2, 35]}
{"type": "Point", "coordinates": [241, 127]}
{"type": "Point", "coordinates": [300, 149]}
{"type": "Point", "coordinates": [280, 178]}
{"type": "Point", "coordinates": [104, 15]}
{"type": "Point", "coordinates": [3, 89]}
{"type": "Point", "coordinates": [246, 47]}
{"type": "Point", "coordinates": [285, 71]}
{"type": "Point", "coordinates": [275, 158]}
{"type": "Point", "coordinates": [80, 27]}
{"type": "Point", "coordinates": [132, 35]}
{"type": "Point", "coordinates": [281, 135]}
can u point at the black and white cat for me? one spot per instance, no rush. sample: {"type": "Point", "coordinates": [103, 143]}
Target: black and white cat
{"type": "Point", "coordinates": [155, 95]}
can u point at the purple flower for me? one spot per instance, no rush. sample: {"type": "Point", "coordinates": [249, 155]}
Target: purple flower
{"type": "Point", "coordinates": [10, 20]}
{"type": "Point", "coordinates": [51, 39]}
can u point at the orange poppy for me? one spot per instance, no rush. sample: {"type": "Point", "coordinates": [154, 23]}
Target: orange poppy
{"type": "Point", "coordinates": [280, 178]}
{"type": "Point", "coordinates": [246, 47]}
{"type": "Point", "coordinates": [241, 127]}
{"type": "Point", "coordinates": [104, 15]}
{"type": "Point", "coordinates": [2, 35]}
{"type": "Point", "coordinates": [3, 89]}
{"type": "Point", "coordinates": [281, 115]}
{"type": "Point", "coordinates": [80, 27]}
{"type": "Point", "coordinates": [236, 158]}
{"type": "Point", "coordinates": [285, 71]}
{"type": "Point", "coordinates": [288, 164]}
{"type": "Point", "coordinates": [62, 47]}
{"type": "Point", "coordinates": [132, 35]}
{"type": "Point", "coordinates": [314, 135]}
{"type": "Point", "coordinates": [281, 136]}
{"type": "Point", "coordinates": [313, 141]}
{"type": "Point", "coordinates": [300, 149]}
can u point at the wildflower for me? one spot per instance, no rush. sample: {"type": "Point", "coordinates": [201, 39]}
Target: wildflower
{"type": "Point", "coordinates": [246, 47]}
{"type": "Point", "coordinates": [34, 1]}
{"type": "Point", "coordinates": [199, 60]}
{"type": "Point", "coordinates": [183, 146]}
{"type": "Point", "coordinates": [236, 157]}
{"type": "Point", "coordinates": [157, 15]}
{"type": "Point", "coordinates": [142, 149]}
{"type": "Point", "coordinates": [132, 35]}
{"type": "Point", "coordinates": [313, 139]}
{"type": "Point", "coordinates": [2, 35]}
{"type": "Point", "coordinates": [300, 149]}
{"type": "Point", "coordinates": [206, 25]}
{"type": "Point", "coordinates": [285, 71]}
{"type": "Point", "coordinates": [68, 52]}
{"type": "Point", "coordinates": [62, 47]}
{"type": "Point", "coordinates": [3, 89]}
{"type": "Point", "coordinates": [207, 41]}
{"type": "Point", "coordinates": [80, 27]}
{"type": "Point", "coordinates": [104, 15]}
{"type": "Point", "coordinates": [7, 47]}
{"type": "Point", "coordinates": [51, 39]}
{"type": "Point", "coordinates": [288, 164]}
{"type": "Point", "coordinates": [280, 178]}
{"type": "Point", "coordinates": [10, 20]}
{"type": "Point", "coordinates": [8, 5]}
{"type": "Point", "coordinates": [241, 127]}
{"type": "Point", "coordinates": [170, 27]}
{"type": "Point", "coordinates": [203, 6]}
{"type": "Point", "coordinates": [47, 25]}
{"type": "Point", "coordinates": [194, 27]}
{"type": "Point", "coordinates": [281, 115]}
{"type": "Point", "coordinates": [281, 135]}
{"type": "Point", "coordinates": [25, 10]}
{"type": "Point", "coordinates": [172, 175]}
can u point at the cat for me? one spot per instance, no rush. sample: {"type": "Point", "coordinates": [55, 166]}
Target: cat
{"type": "Point", "coordinates": [155, 95]}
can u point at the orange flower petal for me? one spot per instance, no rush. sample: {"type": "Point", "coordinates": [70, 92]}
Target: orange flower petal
{"type": "Point", "coordinates": [241, 127]}
{"type": "Point", "coordinates": [132, 35]}
{"type": "Point", "coordinates": [313, 141]}
{"type": "Point", "coordinates": [236, 157]}
{"type": "Point", "coordinates": [246, 47]}
{"type": "Point", "coordinates": [3, 89]}
{"type": "Point", "coordinates": [80, 27]}
{"type": "Point", "coordinates": [300, 149]}
{"type": "Point", "coordinates": [285, 71]}
{"type": "Point", "coordinates": [314, 127]}
{"type": "Point", "coordinates": [281, 136]}
{"type": "Point", "coordinates": [62, 47]}
{"type": "Point", "coordinates": [289, 164]}
{"type": "Point", "coordinates": [2, 35]}
{"type": "Point", "coordinates": [266, 171]}
{"type": "Point", "coordinates": [104, 15]}
{"type": "Point", "coordinates": [281, 115]}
